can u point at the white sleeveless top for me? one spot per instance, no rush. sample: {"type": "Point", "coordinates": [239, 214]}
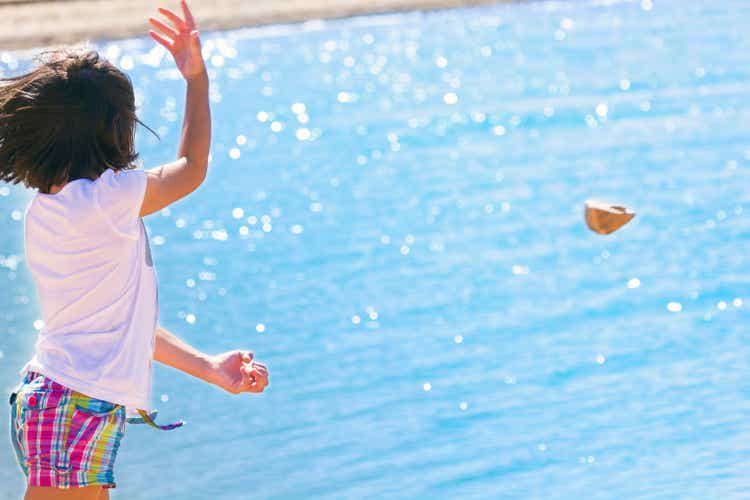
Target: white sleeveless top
{"type": "Point", "coordinates": [88, 253]}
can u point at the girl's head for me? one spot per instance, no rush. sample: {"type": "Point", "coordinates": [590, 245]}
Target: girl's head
{"type": "Point", "coordinates": [71, 118]}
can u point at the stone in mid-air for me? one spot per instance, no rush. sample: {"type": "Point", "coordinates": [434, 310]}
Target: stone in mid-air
{"type": "Point", "coordinates": [606, 218]}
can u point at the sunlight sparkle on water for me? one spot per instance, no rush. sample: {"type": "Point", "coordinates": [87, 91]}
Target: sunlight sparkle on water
{"type": "Point", "coordinates": [519, 270]}
{"type": "Point", "coordinates": [303, 134]}
{"type": "Point", "coordinates": [450, 98]}
{"type": "Point", "coordinates": [346, 97]}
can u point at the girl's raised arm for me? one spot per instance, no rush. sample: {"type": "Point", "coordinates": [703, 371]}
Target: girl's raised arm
{"type": "Point", "coordinates": [172, 181]}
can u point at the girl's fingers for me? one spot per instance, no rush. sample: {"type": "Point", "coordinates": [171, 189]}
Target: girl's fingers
{"type": "Point", "coordinates": [256, 367]}
{"type": "Point", "coordinates": [256, 384]}
{"type": "Point", "coordinates": [161, 40]}
{"type": "Point", "coordinates": [188, 15]}
{"type": "Point", "coordinates": [195, 38]}
{"type": "Point", "coordinates": [260, 379]}
{"type": "Point", "coordinates": [251, 375]}
{"type": "Point", "coordinates": [167, 30]}
{"type": "Point", "coordinates": [179, 23]}
{"type": "Point", "coordinates": [253, 388]}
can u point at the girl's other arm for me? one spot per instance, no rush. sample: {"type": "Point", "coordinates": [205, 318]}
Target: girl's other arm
{"type": "Point", "coordinates": [172, 181]}
{"type": "Point", "coordinates": [233, 371]}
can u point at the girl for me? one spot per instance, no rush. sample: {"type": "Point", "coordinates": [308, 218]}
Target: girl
{"type": "Point", "coordinates": [67, 130]}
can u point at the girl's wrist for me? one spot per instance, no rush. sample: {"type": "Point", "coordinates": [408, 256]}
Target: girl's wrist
{"type": "Point", "coordinates": [198, 78]}
{"type": "Point", "coordinates": [208, 369]}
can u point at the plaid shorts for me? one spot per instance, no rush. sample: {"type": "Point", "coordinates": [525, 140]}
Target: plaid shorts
{"type": "Point", "coordinates": [62, 438]}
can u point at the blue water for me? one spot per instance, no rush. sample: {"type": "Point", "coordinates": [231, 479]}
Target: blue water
{"type": "Point", "coordinates": [438, 321]}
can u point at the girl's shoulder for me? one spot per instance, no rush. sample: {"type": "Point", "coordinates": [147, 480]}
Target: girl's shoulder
{"type": "Point", "coordinates": [121, 187]}
{"type": "Point", "coordinates": [119, 195]}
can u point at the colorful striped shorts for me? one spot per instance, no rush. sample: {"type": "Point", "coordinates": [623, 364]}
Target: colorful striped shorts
{"type": "Point", "coordinates": [62, 438]}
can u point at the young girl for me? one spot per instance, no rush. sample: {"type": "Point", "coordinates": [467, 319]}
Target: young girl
{"type": "Point", "coordinates": [67, 130]}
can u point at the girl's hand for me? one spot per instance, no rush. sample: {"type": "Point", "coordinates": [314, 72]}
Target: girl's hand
{"type": "Point", "coordinates": [236, 372]}
{"type": "Point", "coordinates": [181, 39]}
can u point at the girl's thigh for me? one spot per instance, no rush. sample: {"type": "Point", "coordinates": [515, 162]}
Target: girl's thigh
{"type": "Point", "coordinates": [87, 493]}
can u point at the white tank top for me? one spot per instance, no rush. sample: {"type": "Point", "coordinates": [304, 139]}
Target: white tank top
{"type": "Point", "coordinates": [88, 253]}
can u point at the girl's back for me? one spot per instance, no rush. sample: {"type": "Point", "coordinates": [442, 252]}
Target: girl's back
{"type": "Point", "coordinates": [88, 253]}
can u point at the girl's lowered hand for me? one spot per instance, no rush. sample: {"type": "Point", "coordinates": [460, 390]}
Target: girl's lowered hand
{"type": "Point", "coordinates": [180, 37]}
{"type": "Point", "coordinates": [236, 372]}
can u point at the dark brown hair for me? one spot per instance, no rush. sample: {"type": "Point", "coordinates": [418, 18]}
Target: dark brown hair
{"type": "Point", "coordinates": [71, 118]}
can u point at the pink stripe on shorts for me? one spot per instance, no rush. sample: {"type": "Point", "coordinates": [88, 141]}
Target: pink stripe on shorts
{"type": "Point", "coordinates": [65, 439]}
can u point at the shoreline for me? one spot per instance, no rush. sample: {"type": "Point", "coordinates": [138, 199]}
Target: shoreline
{"type": "Point", "coordinates": [29, 24]}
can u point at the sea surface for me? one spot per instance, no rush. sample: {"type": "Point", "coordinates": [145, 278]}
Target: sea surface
{"type": "Point", "coordinates": [393, 223]}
